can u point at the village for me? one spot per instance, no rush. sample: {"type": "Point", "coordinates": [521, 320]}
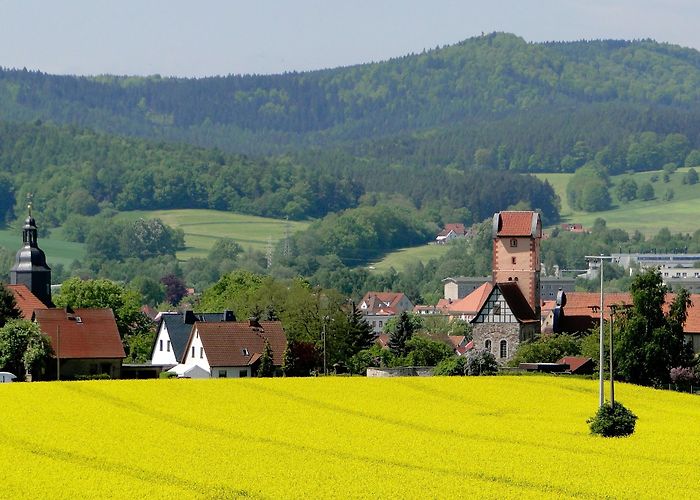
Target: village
{"type": "Point", "coordinates": [513, 306]}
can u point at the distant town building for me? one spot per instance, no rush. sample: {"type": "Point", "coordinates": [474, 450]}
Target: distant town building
{"type": "Point", "coordinates": [379, 307]}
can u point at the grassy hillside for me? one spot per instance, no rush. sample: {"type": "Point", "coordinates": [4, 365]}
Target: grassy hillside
{"type": "Point", "coordinates": [203, 227]}
{"type": "Point", "coordinates": [489, 437]}
{"type": "Point", "coordinates": [679, 214]}
{"type": "Point", "coordinates": [405, 256]}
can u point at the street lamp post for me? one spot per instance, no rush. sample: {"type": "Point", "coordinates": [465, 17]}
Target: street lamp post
{"type": "Point", "coordinates": [325, 369]}
{"type": "Point", "coordinates": [601, 360]}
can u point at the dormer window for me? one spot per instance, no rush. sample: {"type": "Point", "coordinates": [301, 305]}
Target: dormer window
{"type": "Point", "coordinates": [245, 352]}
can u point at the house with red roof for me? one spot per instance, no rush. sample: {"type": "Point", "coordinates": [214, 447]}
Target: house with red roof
{"type": "Point", "coordinates": [451, 232]}
{"type": "Point", "coordinates": [230, 349]}
{"type": "Point", "coordinates": [84, 342]}
{"type": "Point", "coordinates": [379, 307]}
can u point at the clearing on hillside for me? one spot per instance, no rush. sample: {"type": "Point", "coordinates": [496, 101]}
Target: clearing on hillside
{"type": "Point", "coordinates": [494, 437]}
{"type": "Point", "coordinates": [203, 227]}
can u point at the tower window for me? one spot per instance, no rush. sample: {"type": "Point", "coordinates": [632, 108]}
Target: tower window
{"type": "Point", "coordinates": [504, 348]}
{"type": "Point", "coordinates": [487, 345]}
{"type": "Point", "coordinates": [513, 243]}
{"type": "Point", "coordinates": [512, 260]}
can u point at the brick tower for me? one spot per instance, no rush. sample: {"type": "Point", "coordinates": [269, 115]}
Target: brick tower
{"type": "Point", "coordinates": [516, 253]}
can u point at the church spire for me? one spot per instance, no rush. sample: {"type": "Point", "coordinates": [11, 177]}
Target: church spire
{"type": "Point", "coordinates": [30, 267]}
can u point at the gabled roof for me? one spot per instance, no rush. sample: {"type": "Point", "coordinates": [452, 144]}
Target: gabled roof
{"type": "Point", "coordinates": [226, 343]}
{"type": "Point", "coordinates": [81, 334]}
{"type": "Point", "coordinates": [514, 224]}
{"type": "Point", "coordinates": [472, 303]}
{"type": "Point", "coordinates": [457, 228]}
{"type": "Point", "coordinates": [517, 302]}
{"type": "Point", "coordinates": [386, 302]}
{"type": "Point", "coordinates": [179, 326]}
{"type": "Point", "coordinates": [26, 301]}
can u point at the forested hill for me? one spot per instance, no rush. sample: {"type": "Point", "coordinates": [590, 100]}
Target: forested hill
{"type": "Point", "coordinates": [79, 171]}
{"type": "Point", "coordinates": [490, 83]}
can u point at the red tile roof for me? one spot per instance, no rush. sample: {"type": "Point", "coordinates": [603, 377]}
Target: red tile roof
{"type": "Point", "coordinates": [224, 342]}
{"type": "Point", "coordinates": [582, 310]}
{"type": "Point", "coordinates": [26, 301]}
{"type": "Point", "coordinates": [471, 304]}
{"type": "Point", "coordinates": [382, 302]}
{"type": "Point", "coordinates": [515, 223]}
{"type": "Point", "coordinates": [82, 334]}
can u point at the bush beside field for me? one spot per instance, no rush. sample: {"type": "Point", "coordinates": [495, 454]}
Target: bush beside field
{"type": "Point", "coordinates": [341, 437]}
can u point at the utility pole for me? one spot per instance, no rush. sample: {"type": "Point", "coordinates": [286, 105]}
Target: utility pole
{"type": "Point", "coordinates": [601, 360]}
{"type": "Point", "coordinates": [269, 252]}
{"type": "Point", "coordinates": [58, 352]}
{"type": "Point", "coordinates": [286, 237]}
{"type": "Point", "coordinates": [612, 376]}
{"type": "Point", "coordinates": [323, 335]}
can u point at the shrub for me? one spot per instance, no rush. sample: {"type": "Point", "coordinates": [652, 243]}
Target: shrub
{"type": "Point", "coordinates": [612, 421]}
{"type": "Point", "coordinates": [167, 375]}
{"type": "Point", "coordinates": [98, 376]}
{"type": "Point", "coordinates": [683, 375]}
{"type": "Point", "coordinates": [480, 362]}
{"type": "Point", "coordinates": [451, 366]}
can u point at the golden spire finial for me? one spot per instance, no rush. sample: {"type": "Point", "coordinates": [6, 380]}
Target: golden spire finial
{"type": "Point", "coordinates": [30, 196]}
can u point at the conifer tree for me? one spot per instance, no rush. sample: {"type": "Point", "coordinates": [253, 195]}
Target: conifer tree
{"type": "Point", "coordinates": [401, 334]}
{"type": "Point", "coordinates": [266, 368]}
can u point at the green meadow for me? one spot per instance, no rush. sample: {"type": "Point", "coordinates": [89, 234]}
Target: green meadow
{"type": "Point", "coordinates": [405, 256]}
{"type": "Point", "coordinates": [678, 215]}
{"type": "Point", "coordinates": [58, 251]}
{"type": "Point", "coordinates": [204, 227]}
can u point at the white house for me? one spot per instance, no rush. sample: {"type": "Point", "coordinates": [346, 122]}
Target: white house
{"type": "Point", "coordinates": [379, 307]}
{"type": "Point", "coordinates": [173, 332]}
{"type": "Point", "coordinates": [231, 349]}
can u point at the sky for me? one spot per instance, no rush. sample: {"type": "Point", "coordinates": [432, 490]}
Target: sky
{"type": "Point", "coordinates": [196, 38]}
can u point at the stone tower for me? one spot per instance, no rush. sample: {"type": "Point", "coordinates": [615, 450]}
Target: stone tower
{"type": "Point", "coordinates": [516, 253]}
{"type": "Point", "coordinates": [30, 267]}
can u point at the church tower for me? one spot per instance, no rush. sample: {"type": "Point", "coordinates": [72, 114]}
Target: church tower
{"type": "Point", "coordinates": [30, 267]}
{"type": "Point", "coordinates": [516, 253]}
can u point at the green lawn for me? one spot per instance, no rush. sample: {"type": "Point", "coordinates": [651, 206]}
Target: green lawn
{"type": "Point", "coordinates": [400, 258]}
{"type": "Point", "coordinates": [203, 227]}
{"type": "Point", "coordinates": [679, 214]}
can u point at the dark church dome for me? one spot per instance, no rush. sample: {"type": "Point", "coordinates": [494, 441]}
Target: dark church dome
{"type": "Point", "coordinates": [30, 258]}
{"type": "Point", "coordinates": [30, 267]}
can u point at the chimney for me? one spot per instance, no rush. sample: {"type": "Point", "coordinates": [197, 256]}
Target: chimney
{"type": "Point", "coordinates": [229, 316]}
{"type": "Point", "coordinates": [188, 317]}
{"type": "Point", "coordinates": [253, 323]}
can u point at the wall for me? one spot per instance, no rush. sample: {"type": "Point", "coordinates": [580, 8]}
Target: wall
{"type": "Point", "coordinates": [231, 371]}
{"type": "Point", "coordinates": [403, 371]}
{"type": "Point", "coordinates": [495, 332]}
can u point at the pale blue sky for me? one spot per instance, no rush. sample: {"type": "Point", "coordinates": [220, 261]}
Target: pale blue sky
{"type": "Point", "coordinates": [216, 37]}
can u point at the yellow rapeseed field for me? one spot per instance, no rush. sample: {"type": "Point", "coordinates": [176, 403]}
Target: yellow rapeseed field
{"type": "Point", "coordinates": [490, 437]}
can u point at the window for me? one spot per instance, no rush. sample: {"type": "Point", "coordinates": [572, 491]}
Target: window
{"type": "Point", "coordinates": [193, 351]}
{"type": "Point", "coordinates": [201, 352]}
{"type": "Point", "coordinates": [513, 243]}
{"type": "Point", "coordinates": [161, 344]}
{"type": "Point", "coordinates": [245, 352]}
{"type": "Point", "coordinates": [497, 309]}
{"type": "Point", "coordinates": [512, 260]}
{"type": "Point", "coordinates": [243, 373]}
{"type": "Point", "coordinates": [380, 324]}
{"type": "Point", "coordinates": [222, 373]}
{"type": "Point", "coordinates": [504, 348]}
{"type": "Point", "coordinates": [487, 345]}
{"type": "Point", "coordinates": [168, 346]}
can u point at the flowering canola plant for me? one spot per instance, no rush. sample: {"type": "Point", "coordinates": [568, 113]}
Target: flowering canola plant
{"type": "Point", "coordinates": [476, 437]}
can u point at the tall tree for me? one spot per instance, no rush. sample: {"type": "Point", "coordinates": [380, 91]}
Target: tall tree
{"type": "Point", "coordinates": [401, 334]}
{"type": "Point", "coordinates": [359, 333]}
{"type": "Point", "coordinates": [651, 343]}
{"type": "Point", "coordinates": [266, 368]}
